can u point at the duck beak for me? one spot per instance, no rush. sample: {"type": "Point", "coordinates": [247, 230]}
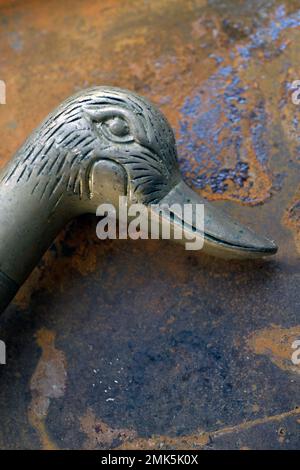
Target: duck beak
{"type": "Point", "coordinates": [217, 235]}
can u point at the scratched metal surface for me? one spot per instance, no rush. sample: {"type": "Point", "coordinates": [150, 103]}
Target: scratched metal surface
{"type": "Point", "coordinates": [142, 344]}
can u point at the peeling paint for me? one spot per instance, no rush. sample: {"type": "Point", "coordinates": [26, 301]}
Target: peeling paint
{"type": "Point", "coordinates": [47, 382]}
{"type": "Point", "coordinates": [292, 218]}
{"type": "Point", "coordinates": [276, 343]}
{"type": "Point", "coordinates": [101, 436]}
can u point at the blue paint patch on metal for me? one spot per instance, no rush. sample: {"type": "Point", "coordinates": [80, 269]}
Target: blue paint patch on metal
{"type": "Point", "coordinates": [272, 32]}
{"type": "Point", "coordinates": [202, 137]}
{"type": "Point", "coordinates": [259, 134]}
{"type": "Point", "coordinates": [201, 131]}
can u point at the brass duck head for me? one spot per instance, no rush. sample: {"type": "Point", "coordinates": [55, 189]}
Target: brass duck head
{"type": "Point", "coordinates": [99, 144]}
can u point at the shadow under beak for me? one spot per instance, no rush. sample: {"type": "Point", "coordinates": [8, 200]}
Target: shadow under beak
{"type": "Point", "coordinates": [219, 235]}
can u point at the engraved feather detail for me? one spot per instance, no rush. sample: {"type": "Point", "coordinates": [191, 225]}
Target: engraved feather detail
{"type": "Point", "coordinates": [96, 124]}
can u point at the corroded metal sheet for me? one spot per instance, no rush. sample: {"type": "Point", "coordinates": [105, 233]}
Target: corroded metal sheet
{"type": "Point", "coordinates": [175, 350]}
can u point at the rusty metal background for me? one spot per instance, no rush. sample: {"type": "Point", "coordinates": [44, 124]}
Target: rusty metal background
{"type": "Point", "coordinates": [190, 352]}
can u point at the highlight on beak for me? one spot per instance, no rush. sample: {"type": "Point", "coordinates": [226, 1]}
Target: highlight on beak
{"type": "Point", "coordinates": [220, 235]}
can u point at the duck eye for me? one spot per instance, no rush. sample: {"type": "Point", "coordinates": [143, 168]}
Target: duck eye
{"type": "Point", "coordinates": [116, 129]}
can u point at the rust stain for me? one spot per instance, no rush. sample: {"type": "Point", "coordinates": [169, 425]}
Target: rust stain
{"type": "Point", "coordinates": [190, 442]}
{"type": "Point", "coordinates": [200, 440]}
{"type": "Point", "coordinates": [276, 343]}
{"type": "Point", "coordinates": [100, 435]}
{"type": "Point", "coordinates": [255, 408]}
{"type": "Point", "coordinates": [291, 218]}
{"type": "Point", "coordinates": [289, 112]}
{"type": "Point", "coordinates": [47, 382]}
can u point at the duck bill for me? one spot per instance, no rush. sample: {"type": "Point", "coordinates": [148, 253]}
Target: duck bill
{"type": "Point", "coordinates": [203, 226]}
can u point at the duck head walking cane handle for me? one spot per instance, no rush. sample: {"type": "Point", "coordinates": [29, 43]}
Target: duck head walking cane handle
{"type": "Point", "coordinates": [99, 144]}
